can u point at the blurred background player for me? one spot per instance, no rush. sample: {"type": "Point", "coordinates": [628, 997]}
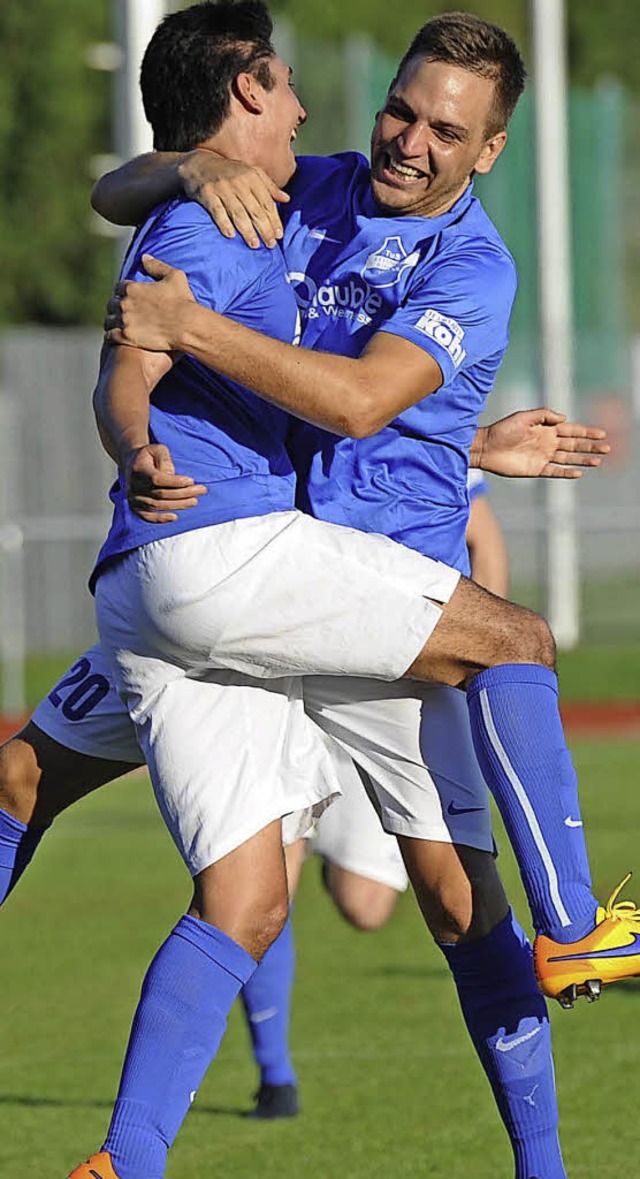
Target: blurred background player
{"type": "Point", "coordinates": [485, 541]}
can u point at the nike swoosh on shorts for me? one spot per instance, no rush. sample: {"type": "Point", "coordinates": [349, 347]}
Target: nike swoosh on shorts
{"type": "Point", "coordinates": [453, 809]}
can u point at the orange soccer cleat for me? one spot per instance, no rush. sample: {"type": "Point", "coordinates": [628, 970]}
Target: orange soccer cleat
{"type": "Point", "coordinates": [610, 953]}
{"type": "Point", "coordinates": [99, 1166]}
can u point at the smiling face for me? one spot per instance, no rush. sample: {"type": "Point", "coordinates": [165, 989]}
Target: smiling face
{"type": "Point", "coordinates": [429, 138]}
{"type": "Point", "coordinates": [275, 129]}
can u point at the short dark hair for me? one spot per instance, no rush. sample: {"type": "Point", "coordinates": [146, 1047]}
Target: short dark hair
{"type": "Point", "coordinates": [190, 64]}
{"type": "Point", "coordinates": [464, 40]}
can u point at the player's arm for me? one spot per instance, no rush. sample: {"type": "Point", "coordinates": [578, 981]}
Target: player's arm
{"type": "Point", "coordinates": [121, 405]}
{"type": "Point", "coordinates": [236, 196]}
{"type": "Point", "coordinates": [121, 399]}
{"type": "Point", "coordinates": [127, 195]}
{"type": "Point", "coordinates": [487, 549]}
{"type": "Point", "coordinates": [352, 397]}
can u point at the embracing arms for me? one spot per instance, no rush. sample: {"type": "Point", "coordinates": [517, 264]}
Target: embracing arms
{"type": "Point", "coordinates": [234, 195]}
{"type": "Point", "coordinates": [352, 397]}
{"type": "Point", "coordinates": [349, 397]}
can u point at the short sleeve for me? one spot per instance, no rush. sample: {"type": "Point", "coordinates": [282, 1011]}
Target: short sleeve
{"type": "Point", "coordinates": [184, 236]}
{"type": "Point", "coordinates": [459, 312]}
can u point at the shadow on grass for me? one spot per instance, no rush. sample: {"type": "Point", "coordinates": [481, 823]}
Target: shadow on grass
{"type": "Point", "coordinates": [425, 972]}
{"type": "Point", "coordinates": [54, 1103]}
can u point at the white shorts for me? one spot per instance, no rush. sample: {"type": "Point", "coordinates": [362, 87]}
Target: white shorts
{"type": "Point", "coordinates": [350, 834]}
{"type": "Point", "coordinates": [247, 752]}
{"type": "Point", "coordinates": [271, 596]}
{"type": "Point", "coordinates": [208, 633]}
{"type": "Point", "coordinates": [84, 712]}
{"type": "Point", "coordinates": [413, 742]}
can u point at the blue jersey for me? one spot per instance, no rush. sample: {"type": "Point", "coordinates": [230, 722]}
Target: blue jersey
{"type": "Point", "coordinates": [447, 285]}
{"type": "Point", "coordinates": [217, 431]}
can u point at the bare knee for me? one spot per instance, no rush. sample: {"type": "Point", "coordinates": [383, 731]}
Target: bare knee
{"type": "Point", "coordinates": [254, 923]}
{"type": "Point", "coordinates": [39, 777]}
{"type": "Point", "coordinates": [245, 893]}
{"type": "Point", "coordinates": [535, 643]}
{"type": "Point", "coordinates": [366, 904]}
{"type": "Point", "coordinates": [457, 888]}
{"type": "Point", "coordinates": [262, 926]}
{"type": "Point", "coordinates": [477, 631]}
{"type": "Point", "coordinates": [514, 634]}
{"type": "Point", "coordinates": [19, 779]}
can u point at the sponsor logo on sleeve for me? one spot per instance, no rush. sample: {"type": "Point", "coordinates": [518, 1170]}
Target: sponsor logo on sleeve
{"type": "Point", "coordinates": [445, 331]}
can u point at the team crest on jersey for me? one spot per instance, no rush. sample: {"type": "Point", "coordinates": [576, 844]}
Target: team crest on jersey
{"type": "Point", "coordinates": [385, 267]}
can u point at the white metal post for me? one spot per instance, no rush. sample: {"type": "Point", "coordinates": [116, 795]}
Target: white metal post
{"type": "Point", "coordinates": [284, 40]}
{"type": "Point", "coordinates": [13, 639]}
{"type": "Point", "coordinates": [136, 21]}
{"type": "Point", "coordinates": [358, 61]}
{"type": "Point", "coordinates": [554, 254]}
{"type": "Point", "coordinates": [134, 24]}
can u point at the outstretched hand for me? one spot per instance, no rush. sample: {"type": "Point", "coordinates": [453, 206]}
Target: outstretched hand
{"type": "Point", "coordinates": [144, 314]}
{"type": "Point", "coordinates": [542, 443]}
{"type": "Point", "coordinates": [154, 492]}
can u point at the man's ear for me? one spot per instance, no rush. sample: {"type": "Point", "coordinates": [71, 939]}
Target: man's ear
{"type": "Point", "coordinates": [248, 92]}
{"type": "Point", "coordinates": [490, 153]}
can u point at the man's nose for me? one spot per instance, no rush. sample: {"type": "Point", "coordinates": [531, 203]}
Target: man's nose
{"type": "Point", "coordinates": [414, 140]}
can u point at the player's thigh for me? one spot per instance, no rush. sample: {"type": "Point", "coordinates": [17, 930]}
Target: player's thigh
{"type": "Point", "coordinates": [295, 854]}
{"type": "Point", "coordinates": [414, 744]}
{"type": "Point", "coordinates": [276, 595]}
{"type": "Point", "coordinates": [365, 903]}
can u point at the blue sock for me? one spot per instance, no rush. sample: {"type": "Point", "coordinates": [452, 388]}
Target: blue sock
{"type": "Point", "coordinates": [266, 998]}
{"type": "Point", "coordinates": [179, 1023]}
{"type": "Point", "coordinates": [17, 846]}
{"type": "Point", "coordinates": [520, 745]}
{"type": "Point", "coordinates": [508, 1022]}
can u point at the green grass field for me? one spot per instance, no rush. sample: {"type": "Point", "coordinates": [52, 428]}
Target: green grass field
{"type": "Point", "coordinates": [390, 1085]}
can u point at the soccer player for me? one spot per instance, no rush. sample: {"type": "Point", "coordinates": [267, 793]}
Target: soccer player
{"type": "Point", "coordinates": [384, 263]}
{"type": "Point", "coordinates": [399, 271]}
